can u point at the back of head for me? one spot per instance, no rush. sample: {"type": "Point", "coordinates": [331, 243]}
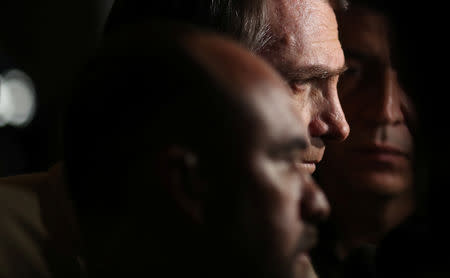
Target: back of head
{"type": "Point", "coordinates": [155, 137]}
{"type": "Point", "coordinates": [139, 95]}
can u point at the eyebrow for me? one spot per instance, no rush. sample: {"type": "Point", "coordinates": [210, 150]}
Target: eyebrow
{"type": "Point", "coordinates": [313, 72]}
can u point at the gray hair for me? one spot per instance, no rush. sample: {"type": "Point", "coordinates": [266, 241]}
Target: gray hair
{"type": "Point", "coordinates": [247, 20]}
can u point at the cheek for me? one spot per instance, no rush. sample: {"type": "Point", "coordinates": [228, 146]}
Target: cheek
{"type": "Point", "coordinates": [281, 196]}
{"type": "Point", "coordinates": [401, 136]}
{"type": "Point", "coordinates": [277, 178]}
{"type": "Point", "coordinates": [304, 106]}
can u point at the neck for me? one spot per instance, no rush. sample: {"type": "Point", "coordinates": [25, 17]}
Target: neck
{"type": "Point", "coordinates": [368, 218]}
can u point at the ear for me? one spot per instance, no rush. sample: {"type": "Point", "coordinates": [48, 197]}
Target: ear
{"type": "Point", "coordinates": [180, 174]}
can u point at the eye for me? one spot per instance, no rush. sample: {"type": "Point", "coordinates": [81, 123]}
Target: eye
{"type": "Point", "coordinates": [300, 86]}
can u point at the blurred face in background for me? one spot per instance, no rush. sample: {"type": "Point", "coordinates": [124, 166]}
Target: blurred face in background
{"type": "Point", "coordinates": [377, 155]}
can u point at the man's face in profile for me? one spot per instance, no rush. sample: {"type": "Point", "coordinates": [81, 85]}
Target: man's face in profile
{"type": "Point", "coordinates": [377, 154]}
{"type": "Point", "coordinates": [306, 50]}
{"type": "Point", "coordinates": [259, 205]}
{"type": "Point", "coordinates": [277, 202]}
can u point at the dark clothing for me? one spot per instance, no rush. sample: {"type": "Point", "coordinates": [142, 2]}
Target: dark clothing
{"type": "Point", "coordinates": [413, 250]}
{"type": "Point", "coordinates": [410, 250]}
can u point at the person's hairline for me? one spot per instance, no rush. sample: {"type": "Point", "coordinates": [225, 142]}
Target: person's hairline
{"type": "Point", "coordinates": [336, 5]}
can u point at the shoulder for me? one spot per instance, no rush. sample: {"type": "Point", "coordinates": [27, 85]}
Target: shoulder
{"type": "Point", "coordinates": [21, 230]}
{"type": "Point", "coordinates": [36, 219]}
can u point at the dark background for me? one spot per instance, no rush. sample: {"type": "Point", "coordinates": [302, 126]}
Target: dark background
{"type": "Point", "coordinates": [51, 39]}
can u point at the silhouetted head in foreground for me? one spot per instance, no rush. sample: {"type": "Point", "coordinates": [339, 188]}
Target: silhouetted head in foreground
{"type": "Point", "coordinates": [182, 154]}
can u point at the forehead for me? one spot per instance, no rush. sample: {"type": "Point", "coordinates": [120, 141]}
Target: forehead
{"type": "Point", "coordinates": [305, 34]}
{"type": "Point", "coordinates": [365, 31]}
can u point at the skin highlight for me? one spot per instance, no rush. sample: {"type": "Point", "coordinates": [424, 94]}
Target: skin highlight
{"type": "Point", "coordinates": [306, 51]}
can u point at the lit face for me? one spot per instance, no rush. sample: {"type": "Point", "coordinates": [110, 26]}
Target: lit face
{"type": "Point", "coordinates": [279, 202]}
{"type": "Point", "coordinates": [306, 50]}
{"type": "Point", "coordinates": [376, 157]}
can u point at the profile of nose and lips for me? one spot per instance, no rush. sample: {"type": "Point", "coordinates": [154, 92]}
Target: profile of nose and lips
{"type": "Point", "coordinates": [312, 155]}
{"type": "Point", "coordinates": [327, 122]}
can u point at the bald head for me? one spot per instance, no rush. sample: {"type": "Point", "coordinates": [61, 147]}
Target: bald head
{"type": "Point", "coordinates": [191, 125]}
{"type": "Point", "coordinates": [237, 68]}
{"type": "Point", "coordinates": [258, 97]}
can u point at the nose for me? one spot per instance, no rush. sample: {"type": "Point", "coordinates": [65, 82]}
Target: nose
{"type": "Point", "coordinates": [314, 205]}
{"type": "Point", "coordinates": [385, 106]}
{"type": "Point", "coordinates": [329, 122]}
